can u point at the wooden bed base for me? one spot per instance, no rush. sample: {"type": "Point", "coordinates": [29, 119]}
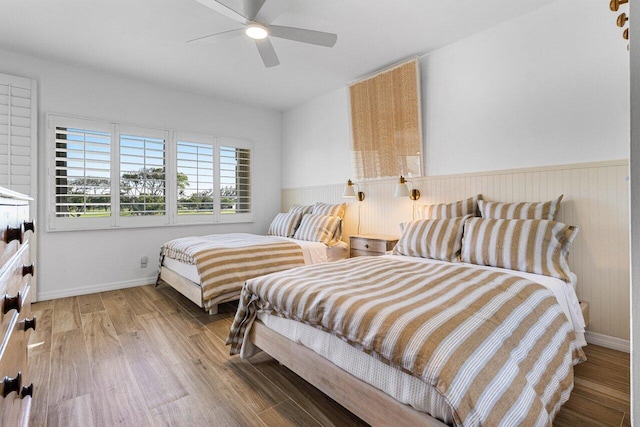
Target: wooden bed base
{"type": "Point", "coordinates": [186, 287]}
{"type": "Point", "coordinates": [367, 402]}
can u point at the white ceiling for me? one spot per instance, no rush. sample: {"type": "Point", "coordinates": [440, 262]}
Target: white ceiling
{"type": "Point", "coordinates": [146, 39]}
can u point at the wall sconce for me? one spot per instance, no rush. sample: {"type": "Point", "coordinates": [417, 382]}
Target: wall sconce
{"type": "Point", "coordinates": [350, 192]}
{"type": "Point", "coordinates": [402, 190]}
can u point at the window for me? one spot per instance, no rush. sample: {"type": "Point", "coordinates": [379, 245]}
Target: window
{"type": "Point", "coordinates": [142, 176]}
{"type": "Point", "coordinates": [83, 173]}
{"type": "Point", "coordinates": [109, 175]}
{"type": "Point", "coordinates": [194, 178]}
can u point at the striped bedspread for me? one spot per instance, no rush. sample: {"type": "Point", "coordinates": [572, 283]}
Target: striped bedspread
{"type": "Point", "coordinates": [226, 261]}
{"type": "Point", "coordinates": [496, 347]}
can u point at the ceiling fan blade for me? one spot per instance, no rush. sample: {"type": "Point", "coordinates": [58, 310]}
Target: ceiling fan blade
{"type": "Point", "coordinates": [216, 37]}
{"type": "Point", "coordinates": [305, 36]}
{"type": "Point", "coordinates": [224, 10]}
{"type": "Point", "coordinates": [267, 53]}
{"type": "Point", "coordinates": [251, 8]}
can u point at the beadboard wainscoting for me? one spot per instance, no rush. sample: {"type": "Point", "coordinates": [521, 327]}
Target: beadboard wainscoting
{"type": "Point", "coordinates": [596, 198]}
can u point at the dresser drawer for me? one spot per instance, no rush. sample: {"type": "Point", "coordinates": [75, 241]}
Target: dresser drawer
{"type": "Point", "coordinates": [14, 285]}
{"type": "Point", "coordinates": [368, 244]}
{"type": "Point", "coordinates": [14, 410]}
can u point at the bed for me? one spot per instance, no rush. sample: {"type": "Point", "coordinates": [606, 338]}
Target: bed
{"type": "Point", "coordinates": [412, 340]}
{"type": "Point", "coordinates": [211, 269]}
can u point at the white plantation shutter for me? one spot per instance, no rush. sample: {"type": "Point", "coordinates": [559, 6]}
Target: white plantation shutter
{"type": "Point", "coordinates": [196, 163]}
{"type": "Point", "coordinates": [235, 179]}
{"type": "Point", "coordinates": [82, 172]}
{"type": "Point", "coordinates": [18, 130]}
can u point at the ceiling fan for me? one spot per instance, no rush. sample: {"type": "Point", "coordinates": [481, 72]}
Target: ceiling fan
{"type": "Point", "coordinates": [260, 31]}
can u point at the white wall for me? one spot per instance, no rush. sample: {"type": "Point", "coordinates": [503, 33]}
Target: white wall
{"type": "Point", "coordinates": [87, 261]}
{"type": "Point", "coordinates": [550, 87]}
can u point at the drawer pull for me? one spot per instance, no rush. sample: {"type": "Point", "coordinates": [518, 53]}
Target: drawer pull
{"type": "Point", "coordinates": [27, 269]}
{"type": "Point", "coordinates": [13, 234]}
{"type": "Point", "coordinates": [29, 225]}
{"type": "Point", "coordinates": [366, 246]}
{"type": "Point", "coordinates": [27, 390]}
{"type": "Point", "coordinates": [11, 384]}
{"type": "Point", "coordinates": [11, 303]}
{"type": "Point", "coordinates": [30, 324]}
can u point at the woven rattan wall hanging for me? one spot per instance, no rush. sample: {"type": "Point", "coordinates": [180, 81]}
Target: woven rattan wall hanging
{"type": "Point", "coordinates": [386, 123]}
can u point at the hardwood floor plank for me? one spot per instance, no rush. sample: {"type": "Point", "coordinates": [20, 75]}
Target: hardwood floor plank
{"type": "Point", "coordinates": [579, 411]}
{"type": "Point", "coordinates": [100, 337]}
{"type": "Point", "coordinates": [70, 369]}
{"type": "Point", "coordinates": [599, 392]}
{"type": "Point", "coordinates": [199, 411]}
{"type": "Point", "coordinates": [626, 421]}
{"type": "Point", "coordinates": [116, 398]}
{"type": "Point", "coordinates": [239, 376]}
{"type": "Point", "coordinates": [66, 315]}
{"type": "Point", "coordinates": [122, 315]}
{"type": "Point", "coordinates": [321, 407]}
{"type": "Point", "coordinates": [40, 339]}
{"type": "Point", "coordinates": [75, 412]}
{"type": "Point", "coordinates": [287, 414]}
{"type": "Point", "coordinates": [90, 303]}
{"type": "Point", "coordinates": [39, 369]}
{"type": "Point", "coordinates": [158, 384]}
{"type": "Point", "coordinates": [140, 300]}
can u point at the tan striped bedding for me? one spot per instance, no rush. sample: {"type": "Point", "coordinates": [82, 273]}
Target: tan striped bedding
{"type": "Point", "coordinates": [226, 261]}
{"type": "Point", "coordinates": [497, 347]}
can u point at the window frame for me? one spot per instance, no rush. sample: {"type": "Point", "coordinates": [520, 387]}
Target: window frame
{"type": "Point", "coordinates": [171, 138]}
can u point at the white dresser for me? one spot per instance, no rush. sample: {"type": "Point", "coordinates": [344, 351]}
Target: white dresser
{"type": "Point", "coordinates": [16, 272]}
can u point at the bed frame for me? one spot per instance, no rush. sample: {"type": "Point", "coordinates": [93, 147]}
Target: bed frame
{"type": "Point", "coordinates": [365, 401]}
{"type": "Point", "coordinates": [186, 287]}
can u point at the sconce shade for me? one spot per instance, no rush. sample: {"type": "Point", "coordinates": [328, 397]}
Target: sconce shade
{"type": "Point", "coordinates": [402, 190]}
{"type": "Point", "coordinates": [350, 192]}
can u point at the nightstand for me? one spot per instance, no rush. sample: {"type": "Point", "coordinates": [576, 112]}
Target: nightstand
{"type": "Point", "coordinates": [371, 245]}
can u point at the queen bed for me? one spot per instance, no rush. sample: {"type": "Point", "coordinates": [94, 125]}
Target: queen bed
{"type": "Point", "coordinates": [407, 339]}
{"type": "Point", "coordinates": [211, 269]}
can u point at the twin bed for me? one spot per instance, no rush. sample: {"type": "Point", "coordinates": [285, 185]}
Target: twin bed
{"type": "Point", "coordinates": [471, 321]}
{"type": "Point", "coordinates": [211, 269]}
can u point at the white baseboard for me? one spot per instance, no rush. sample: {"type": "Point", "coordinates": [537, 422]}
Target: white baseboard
{"type": "Point", "coordinates": [84, 290]}
{"type": "Point", "coordinates": [608, 341]}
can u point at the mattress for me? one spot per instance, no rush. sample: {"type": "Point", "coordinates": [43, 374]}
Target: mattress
{"type": "Point", "coordinates": [402, 386]}
{"type": "Point", "coordinates": [313, 253]}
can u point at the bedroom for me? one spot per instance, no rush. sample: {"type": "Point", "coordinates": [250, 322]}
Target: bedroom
{"type": "Point", "coordinates": [561, 50]}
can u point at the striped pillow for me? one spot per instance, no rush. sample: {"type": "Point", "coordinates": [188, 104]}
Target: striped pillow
{"type": "Point", "coordinates": [532, 245]}
{"type": "Point", "coordinates": [317, 228]}
{"type": "Point", "coordinates": [301, 208]}
{"type": "Point", "coordinates": [432, 238]}
{"type": "Point", "coordinates": [330, 210]}
{"type": "Point", "coordinates": [539, 210]}
{"type": "Point", "coordinates": [285, 224]}
{"type": "Point", "coordinates": [450, 210]}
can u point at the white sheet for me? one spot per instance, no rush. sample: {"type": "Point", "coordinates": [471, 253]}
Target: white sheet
{"type": "Point", "coordinates": [313, 253]}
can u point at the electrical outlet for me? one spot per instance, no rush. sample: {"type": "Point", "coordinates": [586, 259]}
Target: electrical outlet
{"type": "Point", "coordinates": [143, 262]}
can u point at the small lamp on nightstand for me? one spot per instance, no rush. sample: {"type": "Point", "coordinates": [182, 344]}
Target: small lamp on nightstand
{"type": "Point", "coordinates": [402, 190]}
{"type": "Point", "coordinates": [349, 192]}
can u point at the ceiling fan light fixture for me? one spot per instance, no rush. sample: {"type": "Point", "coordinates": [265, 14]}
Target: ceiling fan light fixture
{"type": "Point", "coordinates": [256, 31]}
